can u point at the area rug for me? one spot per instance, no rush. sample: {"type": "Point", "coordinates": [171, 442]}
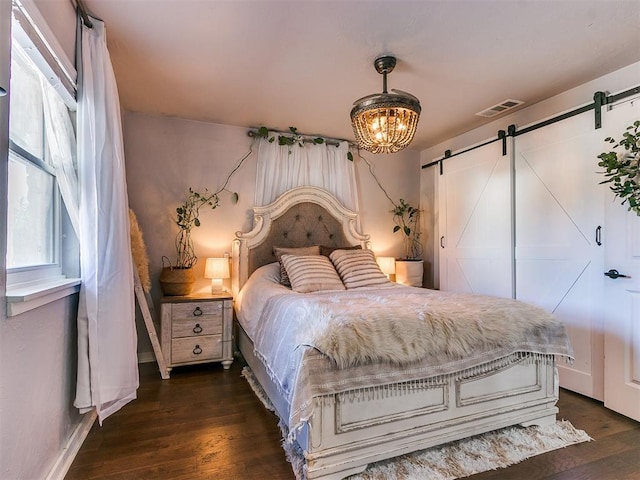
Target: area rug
{"type": "Point", "coordinates": [459, 459]}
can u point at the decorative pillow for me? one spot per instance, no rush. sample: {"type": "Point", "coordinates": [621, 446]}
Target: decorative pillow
{"type": "Point", "coordinates": [326, 251]}
{"type": "Point", "coordinates": [358, 268]}
{"type": "Point", "coordinates": [298, 251]}
{"type": "Point", "coordinates": [311, 273]}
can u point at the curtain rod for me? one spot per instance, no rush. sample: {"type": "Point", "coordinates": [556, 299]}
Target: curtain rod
{"type": "Point", "coordinates": [84, 13]}
{"type": "Point", "coordinates": [309, 138]}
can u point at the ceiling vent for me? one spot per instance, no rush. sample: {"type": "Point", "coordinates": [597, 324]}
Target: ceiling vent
{"type": "Point", "coordinates": [500, 108]}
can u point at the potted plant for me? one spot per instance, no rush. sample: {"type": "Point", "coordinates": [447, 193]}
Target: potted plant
{"type": "Point", "coordinates": [409, 270]}
{"type": "Point", "coordinates": [177, 278]}
{"type": "Point", "coordinates": [622, 169]}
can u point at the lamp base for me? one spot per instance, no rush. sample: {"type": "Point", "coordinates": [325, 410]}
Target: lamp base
{"type": "Point", "coordinates": [216, 285]}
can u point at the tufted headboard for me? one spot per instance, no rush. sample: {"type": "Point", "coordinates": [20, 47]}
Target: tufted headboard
{"type": "Point", "coordinates": [301, 217]}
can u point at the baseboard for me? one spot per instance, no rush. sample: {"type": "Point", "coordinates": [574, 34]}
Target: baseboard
{"type": "Point", "coordinates": [146, 357]}
{"type": "Point", "coordinates": [71, 449]}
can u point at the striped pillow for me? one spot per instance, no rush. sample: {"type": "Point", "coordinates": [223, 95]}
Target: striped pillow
{"type": "Point", "coordinates": [311, 273]}
{"type": "Point", "coordinates": [279, 251]}
{"type": "Point", "coordinates": [358, 268]}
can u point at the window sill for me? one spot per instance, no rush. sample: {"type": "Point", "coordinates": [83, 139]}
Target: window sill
{"type": "Point", "coordinates": [27, 296]}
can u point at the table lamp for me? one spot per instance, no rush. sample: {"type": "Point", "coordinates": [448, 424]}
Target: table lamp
{"type": "Point", "coordinates": [387, 265]}
{"type": "Point", "coordinates": [217, 269]}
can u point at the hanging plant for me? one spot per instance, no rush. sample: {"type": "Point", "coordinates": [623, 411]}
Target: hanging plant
{"type": "Point", "coordinates": [622, 168]}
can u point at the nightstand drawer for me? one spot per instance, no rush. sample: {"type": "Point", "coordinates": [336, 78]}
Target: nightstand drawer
{"type": "Point", "coordinates": [196, 327]}
{"type": "Point", "coordinates": [196, 310]}
{"type": "Point", "coordinates": [196, 349]}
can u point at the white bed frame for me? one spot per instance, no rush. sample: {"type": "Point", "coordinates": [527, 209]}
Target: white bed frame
{"type": "Point", "coordinates": [342, 436]}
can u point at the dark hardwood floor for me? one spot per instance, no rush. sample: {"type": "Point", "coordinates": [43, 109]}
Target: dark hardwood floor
{"type": "Point", "coordinates": [206, 423]}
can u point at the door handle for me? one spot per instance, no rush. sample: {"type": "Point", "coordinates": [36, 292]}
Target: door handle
{"type": "Point", "coordinates": [599, 235]}
{"type": "Point", "coordinates": [442, 241]}
{"type": "Point", "coordinates": [615, 274]}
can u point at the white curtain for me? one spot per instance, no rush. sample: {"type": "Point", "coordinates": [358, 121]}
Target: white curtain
{"type": "Point", "coordinates": [61, 139]}
{"type": "Point", "coordinates": [107, 364]}
{"type": "Point", "coordinates": [281, 168]}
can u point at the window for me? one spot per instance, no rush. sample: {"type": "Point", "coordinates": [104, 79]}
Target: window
{"type": "Point", "coordinates": [32, 214]}
{"type": "Point", "coordinates": [41, 243]}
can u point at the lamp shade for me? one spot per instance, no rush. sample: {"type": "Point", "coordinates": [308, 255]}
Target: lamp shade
{"type": "Point", "coordinates": [217, 268]}
{"type": "Point", "coordinates": [387, 265]}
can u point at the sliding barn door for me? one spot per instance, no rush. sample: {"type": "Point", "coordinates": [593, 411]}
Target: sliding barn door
{"type": "Point", "coordinates": [475, 222]}
{"type": "Point", "coordinates": [559, 214]}
{"type": "Point", "coordinates": [621, 237]}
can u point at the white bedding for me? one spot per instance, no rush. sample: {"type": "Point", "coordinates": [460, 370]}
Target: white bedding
{"type": "Point", "coordinates": [290, 330]}
{"type": "Point", "coordinates": [250, 301]}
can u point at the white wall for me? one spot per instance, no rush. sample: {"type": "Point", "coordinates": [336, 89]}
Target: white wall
{"type": "Point", "coordinates": [615, 82]}
{"type": "Point", "coordinates": [37, 388]}
{"type": "Point", "coordinates": [37, 349]}
{"type": "Point", "coordinates": [165, 156]}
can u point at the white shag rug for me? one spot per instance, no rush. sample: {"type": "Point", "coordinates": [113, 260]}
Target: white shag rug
{"type": "Point", "coordinates": [459, 459]}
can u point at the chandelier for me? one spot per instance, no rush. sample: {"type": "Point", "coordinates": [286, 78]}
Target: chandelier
{"type": "Point", "coordinates": [385, 122]}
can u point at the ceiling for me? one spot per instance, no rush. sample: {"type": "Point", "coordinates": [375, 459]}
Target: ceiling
{"type": "Point", "coordinates": [303, 63]}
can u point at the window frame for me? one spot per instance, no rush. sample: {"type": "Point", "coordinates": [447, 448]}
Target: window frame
{"type": "Point", "coordinates": [28, 287]}
{"type": "Point", "coordinates": [46, 271]}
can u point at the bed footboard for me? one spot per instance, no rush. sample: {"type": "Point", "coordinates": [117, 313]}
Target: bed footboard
{"type": "Point", "coordinates": [351, 429]}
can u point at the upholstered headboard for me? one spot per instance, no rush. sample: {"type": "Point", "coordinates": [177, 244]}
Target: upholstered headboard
{"type": "Point", "coordinates": [300, 217]}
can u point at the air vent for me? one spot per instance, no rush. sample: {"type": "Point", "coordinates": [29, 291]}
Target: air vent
{"type": "Point", "coordinates": [500, 108]}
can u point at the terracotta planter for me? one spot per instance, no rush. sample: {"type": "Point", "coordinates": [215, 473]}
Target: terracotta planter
{"type": "Point", "coordinates": [409, 272]}
{"type": "Point", "coordinates": [177, 280]}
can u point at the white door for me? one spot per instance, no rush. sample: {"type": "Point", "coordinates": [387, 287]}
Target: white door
{"type": "Point", "coordinates": [558, 262]}
{"type": "Point", "coordinates": [621, 237]}
{"type": "Point", "coordinates": [475, 222]}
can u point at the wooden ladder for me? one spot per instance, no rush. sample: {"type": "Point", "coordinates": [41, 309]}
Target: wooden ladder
{"type": "Point", "coordinates": [146, 308]}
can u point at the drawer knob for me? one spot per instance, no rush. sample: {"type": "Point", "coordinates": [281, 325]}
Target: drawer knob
{"type": "Point", "coordinates": [197, 328]}
{"type": "Point", "coordinates": [197, 312]}
{"type": "Point", "coordinates": [197, 350]}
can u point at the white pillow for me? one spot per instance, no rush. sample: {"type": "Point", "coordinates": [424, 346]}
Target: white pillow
{"type": "Point", "coordinates": [311, 273]}
{"type": "Point", "coordinates": [358, 268]}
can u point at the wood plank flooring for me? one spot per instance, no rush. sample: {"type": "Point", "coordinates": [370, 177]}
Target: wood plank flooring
{"type": "Point", "coordinates": [206, 423]}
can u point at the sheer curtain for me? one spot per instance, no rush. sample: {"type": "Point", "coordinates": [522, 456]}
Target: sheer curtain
{"type": "Point", "coordinates": [281, 168]}
{"type": "Point", "coordinates": [107, 359]}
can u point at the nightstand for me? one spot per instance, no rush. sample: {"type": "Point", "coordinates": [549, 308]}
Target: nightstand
{"type": "Point", "coordinates": [197, 329]}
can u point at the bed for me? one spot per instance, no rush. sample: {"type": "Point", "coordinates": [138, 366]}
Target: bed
{"type": "Point", "coordinates": [349, 398]}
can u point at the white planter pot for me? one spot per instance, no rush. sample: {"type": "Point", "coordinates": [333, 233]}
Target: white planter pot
{"type": "Point", "coordinates": [409, 272]}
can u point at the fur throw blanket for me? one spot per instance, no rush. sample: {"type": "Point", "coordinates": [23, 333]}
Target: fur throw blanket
{"type": "Point", "coordinates": [406, 327]}
{"type": "Point", "coordinates": [139, 252]}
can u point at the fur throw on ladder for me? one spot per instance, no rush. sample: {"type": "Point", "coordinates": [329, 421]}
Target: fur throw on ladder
{"type": "Point", "coordinates": [139, 252]}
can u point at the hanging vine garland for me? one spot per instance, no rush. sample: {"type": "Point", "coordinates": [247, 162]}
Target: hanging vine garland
{"type": "Point", "coordinates": [622, 168]}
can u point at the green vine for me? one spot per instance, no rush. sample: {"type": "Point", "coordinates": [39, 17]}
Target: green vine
{"type": "Point", "coordinates": [294, 139]}
{"type": "Point", "coordinates": [406, 218]}
{"type": "Point", "coordinates": [188, 215]}
{"type": "Point", "coordinates": [622, 168]}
